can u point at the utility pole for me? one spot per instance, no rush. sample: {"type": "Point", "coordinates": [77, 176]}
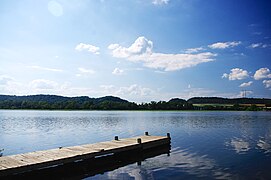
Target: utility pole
{"type": "Point", "coordinates": [244, 93]}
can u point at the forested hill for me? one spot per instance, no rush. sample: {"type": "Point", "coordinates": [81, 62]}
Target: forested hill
{"type": "Point", "coordinates": [53, 102]}
{"type": "Point", "coordinates": [60, 102]}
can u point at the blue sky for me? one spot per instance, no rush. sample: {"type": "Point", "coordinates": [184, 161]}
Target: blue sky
{"type": "Point", "coordinates": [139, 50]}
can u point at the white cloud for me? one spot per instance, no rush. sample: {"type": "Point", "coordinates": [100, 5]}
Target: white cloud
{"type": "Point", "coordinates": [160, 2]}
{"type": "Point", "coordinates": [246, 84]}
{"type": "Point", "coordinates": [267, 83]}
{"type": "Point", "coordinates": [87, 71]}
{"type": "Point", "coordinates": [55, 8]}
{"type": "Point", "coordinates": [262, 73]}
{"type": "Point", "coordinates": [140, 47]}
{"type": "Point", "coordinates": [266, 45]}
{"type": "Point", "coordinates": [141, 51]}
{"type": "Point", "coordinates": [45, 68]}
{"type": "Point", "coordinates": [224, 45]}
{"type": "Point", "coordinates": [117, 71]}
{"type": "Point", "coordinates": [197, 92]}
{"type": "Point", "coordinates": [236, 74]}
{"type": "Point", "coordinates": [43, 84]}
{"type": "Point", "coordinates": [172, 62]}
{"type": "Point", "coordinates": [259, 45]}
{"type": "Point", "coordinates": [134, 90]}
{"type": "Point", "coordinates": [160, 72]}
{"type": "Point", "coordinates": [194, 50]}
{"type": "Point", "coordinates": [107, 88]}
{"type": "Point", "coordinates": [225, 75]}
{"type": "Point", "coordinates": [88, 47]}
{"type": "Point", "coordinates": [4, 79]}
{"type": "Point", "coordinates": [255, 45]}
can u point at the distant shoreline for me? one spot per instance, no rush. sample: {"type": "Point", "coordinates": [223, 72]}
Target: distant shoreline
{"type": "Point", "coordinates": [78, 110]}
{"type": "Point", "coordinates": [53, 102]}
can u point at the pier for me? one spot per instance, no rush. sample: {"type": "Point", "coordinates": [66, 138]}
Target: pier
{"type": "Point", "coordinates": [65, 156]}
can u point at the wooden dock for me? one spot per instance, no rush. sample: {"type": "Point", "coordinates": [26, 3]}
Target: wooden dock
{"type": "Point", "coordinates": [20, 163]}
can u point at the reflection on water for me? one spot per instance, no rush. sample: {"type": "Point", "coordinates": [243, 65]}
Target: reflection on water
{"type": "Point", "coordinates": [239, 145]}
{"type": "Point", "coordinates": [91, 167]}
{"type": "Point", "coordinates": [265, 146]}
{"type": "Point", "coordinates": [181, 162]}
{"type": "Point", "coordinates": [208, 145]}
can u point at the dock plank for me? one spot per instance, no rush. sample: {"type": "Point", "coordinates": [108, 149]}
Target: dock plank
{"type": "Point", "coordinates": [40, 159]}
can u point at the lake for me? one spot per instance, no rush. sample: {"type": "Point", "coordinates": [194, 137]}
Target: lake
{"type": "Point", "coordinates": [205, 145]}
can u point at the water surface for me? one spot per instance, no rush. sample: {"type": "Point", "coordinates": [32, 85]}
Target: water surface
{"type": "Point", "coordinates": [206, 145]}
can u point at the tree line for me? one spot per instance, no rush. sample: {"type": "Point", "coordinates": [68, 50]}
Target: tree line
{"type": "Point", "coordinates": [53, 102]}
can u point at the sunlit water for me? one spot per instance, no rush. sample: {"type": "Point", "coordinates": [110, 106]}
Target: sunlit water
{"type": "Point", "coordinates": [206, 145]}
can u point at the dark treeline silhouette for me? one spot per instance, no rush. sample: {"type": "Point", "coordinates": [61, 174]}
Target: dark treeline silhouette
{"type": "Point", "coordinates": [218, 100]}
{"type": "Point", "coordinates": [53, 102]}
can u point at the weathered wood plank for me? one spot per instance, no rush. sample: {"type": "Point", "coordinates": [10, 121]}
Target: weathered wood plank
{"type": "Point", "coordinates": [39, 159]}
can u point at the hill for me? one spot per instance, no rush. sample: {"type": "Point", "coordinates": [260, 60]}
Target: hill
{"type": "Point", "coordinates": [53, 102]}
{"type": "Point", "coordinates": [60, 102]}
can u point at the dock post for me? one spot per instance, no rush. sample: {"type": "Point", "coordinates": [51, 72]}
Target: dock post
{"type": "Point", "coordinates": [146, 133]}
{"type": "Point", "coordinates": [116, 138]}
{"type": "Point", "coordinates": [168, 136]}
{"type": "Point", "coordinates": [139, 141]}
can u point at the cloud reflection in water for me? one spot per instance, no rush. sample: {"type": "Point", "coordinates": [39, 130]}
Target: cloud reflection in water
{"type": "Point", "coordinates": [189, 165]}
{"type": "Point", "coordinates": [264, 146]}
{"type": "Point", "coordinates": [239, 145]}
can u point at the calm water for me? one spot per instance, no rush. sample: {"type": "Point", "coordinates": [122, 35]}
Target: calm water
{"type": "Point", "coordinates": [206, 145]}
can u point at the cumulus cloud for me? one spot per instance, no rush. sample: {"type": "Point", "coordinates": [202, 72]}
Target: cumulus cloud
{"type": "Point", "coordinates": [88, 47]}
{"type": "Point", "coordinates": [45, 68]}
{"type": "Point", "coordinates": [262, 73]}
{"type": "Point", "coordinates": [236, 74]}
{"type": "Point", "coordinates": [141, 51]}
{"type": "Point", "coordinates": [267, 83]}
{"type": "Point", "coordinates": [160, 2]}
{"type": "Point", "coordinates": [140, 47]}
{"type": "Point", "coordinates": [224, 45]}
{"type": "Point", "coordinates": [246, 84]}
{"type": "Point", "coordinates": [117, 71]}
